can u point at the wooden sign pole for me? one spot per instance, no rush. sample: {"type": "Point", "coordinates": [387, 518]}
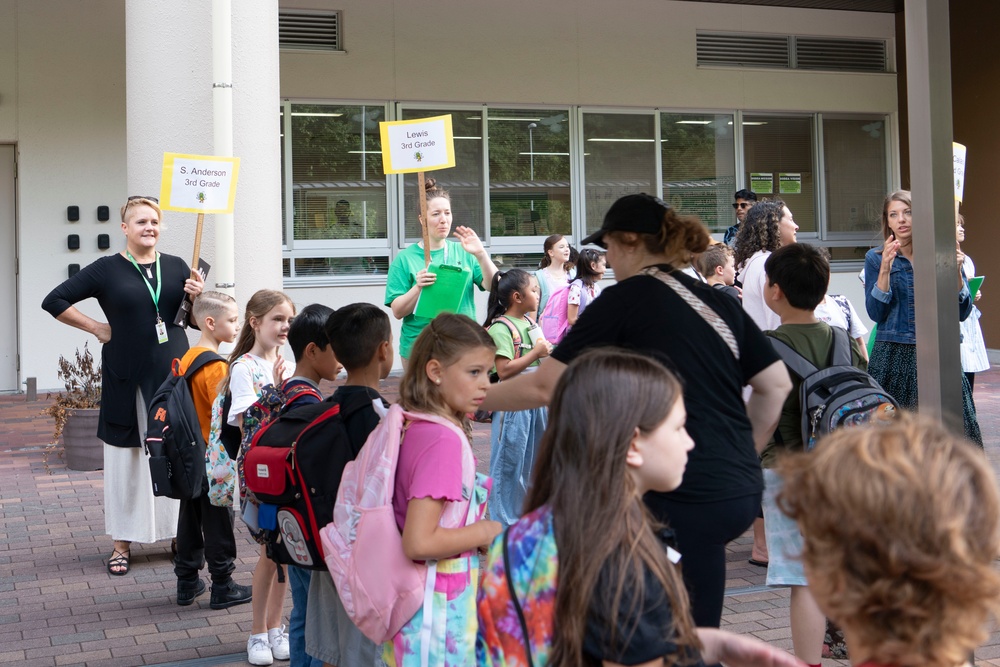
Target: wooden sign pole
{"type": "Point", "coordinates": [181, 319]}
{"type": "Point", "coordinates": [422, 194]}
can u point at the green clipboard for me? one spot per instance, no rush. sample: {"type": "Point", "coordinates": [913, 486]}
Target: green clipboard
{"type": "Point", "coordinates": [975, 284]}
{"type": "Point", "coordinates": [445, 295]}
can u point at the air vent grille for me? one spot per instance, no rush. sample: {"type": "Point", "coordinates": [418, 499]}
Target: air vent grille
{"type": "Point", "coordinates": [848, 55]}
{"type": "Point", "coordinates": [791, 52]}
{"type": "Point", "coordinates": [309, 30]}
{"type": "Point", "coordinates": [742, 50]}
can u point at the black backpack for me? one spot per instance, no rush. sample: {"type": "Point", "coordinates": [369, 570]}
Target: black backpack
{"type": "Point", "coordinates": [174, 441]}
{"type": "Point", "coordinates": [835, 396]}
{"type": "Point", "coordinates": [295, 463]}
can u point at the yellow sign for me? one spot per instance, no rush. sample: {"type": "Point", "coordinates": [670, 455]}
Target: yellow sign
{"type": "Point", "coordinates": [198, 183]}
{"type": "Point", "coordinates": [958, 163]}
{"type": "Point", "coordinates": [424, 144]}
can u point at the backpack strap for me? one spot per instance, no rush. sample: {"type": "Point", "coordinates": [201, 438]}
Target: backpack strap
{"type": "Point", "coordinates": [513, 598]}
{"type": "Point", "coordinates": [514, 334]}
{"type": "Point", "coordinates": [840, 351]}
{"type": "Point", "coordinates": [795, 361]}
{"type": "Point", "coordinates": [203, 359]}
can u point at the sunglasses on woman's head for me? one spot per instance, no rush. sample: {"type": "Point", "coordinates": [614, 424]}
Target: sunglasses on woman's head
{"type": "Point", "coordinates": [152, 199]}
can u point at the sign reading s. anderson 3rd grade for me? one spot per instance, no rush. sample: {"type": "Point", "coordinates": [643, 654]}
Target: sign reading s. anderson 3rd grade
{"type": "Point", "coordinates": [199, 183]}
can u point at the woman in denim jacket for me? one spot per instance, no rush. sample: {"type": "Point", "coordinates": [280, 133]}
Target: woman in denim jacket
{"type": "Point", "coordinates": [889, 300]}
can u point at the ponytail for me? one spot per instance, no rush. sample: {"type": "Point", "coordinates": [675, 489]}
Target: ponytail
{"type": "Point", "coordinates": [502, 288]}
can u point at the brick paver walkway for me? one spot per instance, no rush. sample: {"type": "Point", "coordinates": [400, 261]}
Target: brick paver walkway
{"type": "Point", "coordinates": [58, 605]}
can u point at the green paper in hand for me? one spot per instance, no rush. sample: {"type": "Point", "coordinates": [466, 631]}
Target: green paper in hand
{"type": "Point", "coordinates": [974, 285]}
{"type": "Point", "coordinates": [445, 295]}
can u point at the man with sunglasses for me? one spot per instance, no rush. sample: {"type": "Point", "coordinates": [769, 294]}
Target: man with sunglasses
{"type": "Point", "coordinates": [744, 200]}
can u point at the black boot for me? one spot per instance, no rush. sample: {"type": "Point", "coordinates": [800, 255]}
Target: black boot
{"type": "Point", "coordinates": [229, 594]}
{"type": "Point", "coordinates": [187, 591]}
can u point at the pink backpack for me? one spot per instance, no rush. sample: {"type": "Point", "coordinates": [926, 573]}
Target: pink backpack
{"type": "Point", "coordinates": [553, 319]}
{"type": "Point", "coordinates": [380, 587]}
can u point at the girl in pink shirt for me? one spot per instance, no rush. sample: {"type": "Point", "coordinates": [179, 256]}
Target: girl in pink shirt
{"type": "Point", "coordinates": [439, 499]}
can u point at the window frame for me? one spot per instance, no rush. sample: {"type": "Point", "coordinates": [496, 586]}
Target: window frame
{"type": "Point", "coordinates": [293, 248]}
{"type": "Point", "coordinates": [396, 213]}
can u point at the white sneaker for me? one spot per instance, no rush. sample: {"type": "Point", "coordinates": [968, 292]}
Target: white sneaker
{"type": "Point", "coordinates": [259, 651]}
{"type": "Point", "coordinates": [279, 643]}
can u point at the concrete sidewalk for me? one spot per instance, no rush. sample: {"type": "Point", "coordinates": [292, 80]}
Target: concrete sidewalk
{"type": "Point", "coordinates": [59, 606]}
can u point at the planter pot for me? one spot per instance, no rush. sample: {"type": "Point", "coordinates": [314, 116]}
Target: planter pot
{"type": "Point", "coordinates": [84, 451]}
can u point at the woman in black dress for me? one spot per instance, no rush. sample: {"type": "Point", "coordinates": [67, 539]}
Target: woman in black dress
{"type": "Point", "coordinates": [714, 347]}
{"type": "Point", "coordinates": [139, 291]}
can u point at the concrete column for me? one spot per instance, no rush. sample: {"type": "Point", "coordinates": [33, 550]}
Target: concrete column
{"type": "Point", "coordinates": [256, 137]}
{"type": "Point", "coordinates": [169, 109]}
{"type": "Point", "coordinates": [168, 103]}
{"type": "Point", "coordinates": [928, 81]}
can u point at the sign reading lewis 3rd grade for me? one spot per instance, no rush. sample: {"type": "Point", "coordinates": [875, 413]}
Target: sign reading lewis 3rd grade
{"type": "Point", "coordinates": [424, 144]}
{"type": "Point", "coordinates": [199, 183]}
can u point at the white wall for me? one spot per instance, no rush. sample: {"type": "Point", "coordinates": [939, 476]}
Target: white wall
{"type": "Point", "coordinates": [65, 109]}
{"type": "Point", "coordinates": [627, 53]}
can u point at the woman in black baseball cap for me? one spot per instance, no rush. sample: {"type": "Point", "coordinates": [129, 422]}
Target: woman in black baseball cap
{"type": "Point", "coordinates": [712, 345]}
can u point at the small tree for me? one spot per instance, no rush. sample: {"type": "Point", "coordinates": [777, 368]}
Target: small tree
{"type": "Point", "coordinates": [82, 380]}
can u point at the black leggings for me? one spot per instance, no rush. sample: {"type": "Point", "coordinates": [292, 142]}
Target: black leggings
{"type": "Point", "coordinates": [703, 530]}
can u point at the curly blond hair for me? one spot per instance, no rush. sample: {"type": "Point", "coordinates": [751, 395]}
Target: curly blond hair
{"type": "Point", "coordinates": [900, 530]}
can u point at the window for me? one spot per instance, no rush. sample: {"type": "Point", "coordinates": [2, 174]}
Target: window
{"type": "Point", "coordinates": [778, 161]}
{"type": "Point", "coordinates": [529, 168]}
{"type": "Point", "coordinates": [854, 157]}
{"type": "Point", "coordinates": [337, 216]}
{"type": "Point", "coordinates": [698, 155]}
{"type": "Point", "coordinates": [464, 181]}
{"type": "Point", "coordinates": [522, 174]}
{"type": "Point", "coordinates": [619, 158]}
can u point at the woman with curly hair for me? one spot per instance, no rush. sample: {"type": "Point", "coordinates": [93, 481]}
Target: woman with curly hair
{"type": "Point", "coordinates": [767, 227]}
{"type": "Point", "coordinates": [904, 566]}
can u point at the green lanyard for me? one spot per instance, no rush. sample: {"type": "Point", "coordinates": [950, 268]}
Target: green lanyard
{"type": "Point", "coordinates": [159, 283]}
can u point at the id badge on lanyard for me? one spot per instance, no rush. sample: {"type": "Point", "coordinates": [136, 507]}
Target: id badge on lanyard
{"type": "Point", "coordinates": [161, 331]}
{"type": "Point", "coordinates": [161, 327]}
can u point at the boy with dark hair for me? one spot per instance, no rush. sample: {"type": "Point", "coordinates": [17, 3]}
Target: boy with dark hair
{"type": "Point", "coordinates": [314, 361]}
{"type": "Point", "coordinates": [361, 338]}
{"type": "Point", "coordinates": [718, 266]}
{"type": "Point", "coordinates": [204, 531]}
{"type": "Point", "coordinates": [797, 278]}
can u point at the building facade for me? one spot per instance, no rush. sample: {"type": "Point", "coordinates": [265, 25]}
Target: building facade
{"type": "Point", "coordinates": [558, 108]}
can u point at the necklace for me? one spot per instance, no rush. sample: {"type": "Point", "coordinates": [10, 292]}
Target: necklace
{"type": "Point", "coordinates": [149, 269]}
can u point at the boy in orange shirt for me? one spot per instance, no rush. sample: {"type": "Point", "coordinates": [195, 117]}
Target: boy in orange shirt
{"type": "Point", "coordinates": [204, 531]}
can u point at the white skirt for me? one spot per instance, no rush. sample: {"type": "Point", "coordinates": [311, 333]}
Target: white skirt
{"type": "Point", "coordinates": [131, 512]}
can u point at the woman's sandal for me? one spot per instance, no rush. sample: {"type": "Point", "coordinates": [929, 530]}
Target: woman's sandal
{"type": "Point", "coordinates": [118, 564]}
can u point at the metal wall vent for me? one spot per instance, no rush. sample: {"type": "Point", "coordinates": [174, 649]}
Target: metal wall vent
{"type": "Point", "coordinates": [791, 52]}
{"type": "Point", "coordinates": [847, 55]}
{"type": "Point", "coordinates": [306, 30]}
{"type": "Point", "coordinates": [742, 50]}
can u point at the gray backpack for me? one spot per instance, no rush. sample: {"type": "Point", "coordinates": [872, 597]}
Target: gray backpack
{"type": "Point", "coordinates": [837, 395]}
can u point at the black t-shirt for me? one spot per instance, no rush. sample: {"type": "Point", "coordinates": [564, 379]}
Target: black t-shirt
{"type": "Point", "coordinates": [644, 315]}
{"type": "Point", "coordinates": [642, 631]}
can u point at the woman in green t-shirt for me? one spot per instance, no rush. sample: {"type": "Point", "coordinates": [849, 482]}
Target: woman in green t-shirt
{"type": "Point", "coordinates": [408, 275]}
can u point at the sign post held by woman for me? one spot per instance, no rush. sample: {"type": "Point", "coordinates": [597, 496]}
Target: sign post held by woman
{"type": "Point", "coordinates": [417, 146]}
{"type": "Point", "coordinates": [198, 184]}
